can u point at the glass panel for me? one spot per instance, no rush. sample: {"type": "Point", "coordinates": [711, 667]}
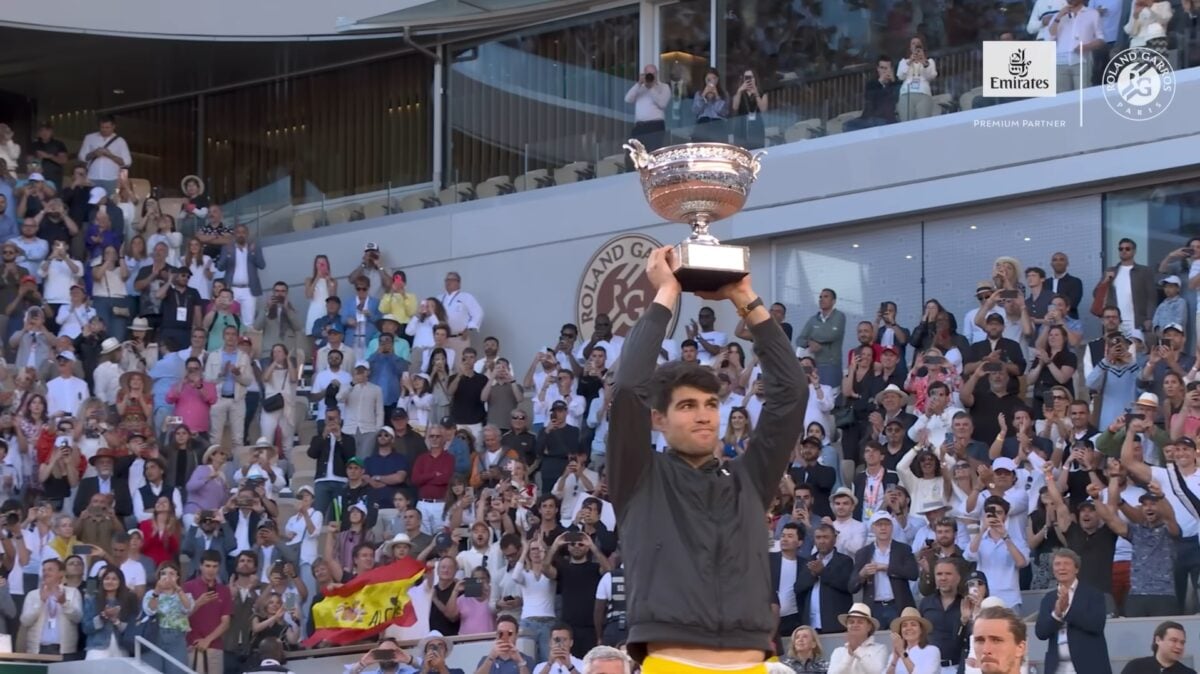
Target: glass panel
{"type": "Point", "coordinates": [541, 98]}
{"type": "Point", "coordinates": [1159, 219]}
{"type": "Point", "coordinates": [684, 37]}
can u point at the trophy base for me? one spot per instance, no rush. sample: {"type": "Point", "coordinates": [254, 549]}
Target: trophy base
{"type": "Point", "coordinates": [706, 266]}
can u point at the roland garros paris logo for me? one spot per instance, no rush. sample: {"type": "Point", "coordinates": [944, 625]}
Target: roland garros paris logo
{"type": "Point", "coordinates": [614, 283]}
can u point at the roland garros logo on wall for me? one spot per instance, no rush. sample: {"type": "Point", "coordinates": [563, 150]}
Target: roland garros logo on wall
{"type": "Point", "coordinates": [614, 283]}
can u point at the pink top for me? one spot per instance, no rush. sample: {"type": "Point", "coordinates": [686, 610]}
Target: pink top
{"type": "Point", "coordinates": [193, 404]}
{"type": "Point", "coordinates": [475, 616]}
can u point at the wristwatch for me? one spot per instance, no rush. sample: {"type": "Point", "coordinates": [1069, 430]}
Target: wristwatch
{"type": "Point", "coordinates": [745, 311]}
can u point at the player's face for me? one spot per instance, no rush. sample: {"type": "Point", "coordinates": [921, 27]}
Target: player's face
{"type": "Point", "coordinates": [691, 421]}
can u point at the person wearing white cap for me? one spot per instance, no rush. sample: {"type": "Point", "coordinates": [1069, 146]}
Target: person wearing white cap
{"type": "Point", "coordinates": [1167, 354]}
{"type": "Point", "coordinates": [1173, 309]}
{"type": "Point", "coordinates": [851, 533]}
{"type": "Point", "coordinates": [107, 375]}
{"type": "Point", "coordinates": [885, 570]}
{"type": "Point", "coordinates": [362, 410]}
{"type": "Point", "coordinates": [105, 153]}
{"type": "Point", "coordinates": [861, 654]}
{"type": "Point", "coordinates": [999, 549]}
{"type": "Point", "coordinates": [66, 392]}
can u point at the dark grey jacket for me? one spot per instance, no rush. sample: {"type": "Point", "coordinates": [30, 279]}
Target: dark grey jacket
{"type": "Point", "coordinates": [693, 539]}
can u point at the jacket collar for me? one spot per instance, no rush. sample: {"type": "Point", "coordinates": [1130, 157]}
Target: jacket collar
{"type": "Point", "coordinates": [710, 466]}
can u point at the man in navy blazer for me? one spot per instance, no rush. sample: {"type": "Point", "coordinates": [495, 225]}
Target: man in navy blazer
{"type": "Point", "coordinates": [828, 575]}
{"type": "Point", "coordinates": [885, 559]}
{"type": "Point", "coordinates": [241, 261]}
{"type": "Point", "coordinates": [1077, 613]}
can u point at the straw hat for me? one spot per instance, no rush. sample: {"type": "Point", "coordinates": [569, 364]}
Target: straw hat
{"type": "Point", "coordinates": [190, 178]}
{"type": "Point", "coordinates": [139, 324]}
{"type": "Point", "coordinates": [860, 610]}
{"type": "Point", "coordinates": [911, 613]}
{"type": "Point", "coordinates": [109, 345]}
{"type": "Point", "coordinates": [212, 449]}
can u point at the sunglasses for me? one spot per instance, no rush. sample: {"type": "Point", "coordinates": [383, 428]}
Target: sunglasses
{"type": "Point", "coordinates": [518, 417]}
{"type": "Point", "coordinates": [1125, 248]}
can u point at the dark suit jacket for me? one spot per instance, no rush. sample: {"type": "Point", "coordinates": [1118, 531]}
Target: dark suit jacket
{"type": "Point", "coordinates": [1010, 353]}
{"type": "Point", "coordinates": [902, 569]}
{"type": "Point", "coordinates": [231, 522]}
{"type": "Point", "coordinates": [254, 259]}
{"type": "Point", "coordinates": [1085, 631]}
{"type": "Point", "coordinates": [1145, 293]}
{"type": "Point", "coordinates": [836, 597]}
{"type": "Point", "coordinates": [319, 449]}
{"type": "Point", "coordinates": [193, 547]}
{"type": "Point", "coordinates": [1071, 288]}
{"type": "Point", "coordinates": [860, 487]}
{"type": "Point", "coordinates": [90, 486]}
{"type": "Point", "coordinates": [821, 479]}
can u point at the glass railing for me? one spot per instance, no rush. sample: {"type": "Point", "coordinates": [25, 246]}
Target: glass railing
{"type": "Point", "coordinates": [805, 107]}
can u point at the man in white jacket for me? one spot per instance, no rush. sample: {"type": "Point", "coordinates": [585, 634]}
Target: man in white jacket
{"type": "Point", "coordinates": [51, 615]}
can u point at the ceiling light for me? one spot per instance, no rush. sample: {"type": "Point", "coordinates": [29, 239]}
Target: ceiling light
{"type": "Point", "coordinates": [974, 227]}
{"type": "Point", "coordinates": [1027, 238]}
{"type": "Point", "coordinates": [118, 91]}
{"type": "Point", "coordinates": [854, 245]}
{"type": "Point", "coordinates": [907, 257]}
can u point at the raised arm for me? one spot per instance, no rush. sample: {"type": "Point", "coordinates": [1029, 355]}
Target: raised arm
{"type": "Point", "coordinates": [782, 416]}
{"type": "Point", "coordinates": [629, 450]}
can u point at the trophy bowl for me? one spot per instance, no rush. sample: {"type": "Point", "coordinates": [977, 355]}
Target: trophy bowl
{"type": "Point", "coordinates": [697, 184]}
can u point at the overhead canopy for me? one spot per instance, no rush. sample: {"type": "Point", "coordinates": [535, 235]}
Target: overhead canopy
{"type": "Point", "coordinates": [450, 16]}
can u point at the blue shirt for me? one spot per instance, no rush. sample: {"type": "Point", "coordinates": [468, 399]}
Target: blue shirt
{"type": "Point", "coordinates": [378, 465]}
{"type": "Point", "coordinates": [462, 455]}
{"type": "Point", "coordinates": [386, 369]}
{"type": "Point", "coordinates": [9, 229]}
{"type": "Point", "coordinates": [227, 382]}
{"type": "Point", "coordinates": [321, 323]}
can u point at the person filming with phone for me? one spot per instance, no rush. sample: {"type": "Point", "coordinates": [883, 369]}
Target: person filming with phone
{"type": "Point", "coordinates": [650, 98]}
{"type": "Point", "coordinates": [386, 658]}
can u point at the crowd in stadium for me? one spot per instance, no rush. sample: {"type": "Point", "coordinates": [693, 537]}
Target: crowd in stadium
{"type": "Point", "coordinates": [948, 462]}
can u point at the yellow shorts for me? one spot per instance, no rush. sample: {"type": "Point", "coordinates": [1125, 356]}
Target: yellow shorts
{"type": "Point", "coordinates": [657, 664]}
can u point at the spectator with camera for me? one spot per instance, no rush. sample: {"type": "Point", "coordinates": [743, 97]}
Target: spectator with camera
{"type": "Point", "coordinates": [998, 549]}
{"type": "Point", "coordinates": [387, 658]}
{"type": "Point", "coordinates": [1114, 381]}
{"type": "Point", "coordinates": [880, 97]}
{"type": "Point", "coordinates": [650, 98]}
{"type": "Point", "coordinates": [577, 574]}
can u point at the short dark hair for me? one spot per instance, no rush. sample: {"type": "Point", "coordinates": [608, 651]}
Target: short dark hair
{"type": "Point", "coordinates": [58, 564]}
{"type": "Point", "coordinates": [831, 291]}
{"type": "Point", "coordinates": [1036, 270]}
{"type": "Point", "coordinates": [280, 283]}
{"type": "Point", "coordinates": [677, 374]}
{"type": "Point", "coordinates": [505, 618]}
{"type": "Point", "coordinates": [271, 648]}
{"type": "Point", "coordinates": [1162, 629]}
{"type": "Point", "coordinates": [883, 58]}
{"type": "Point", "coordinates": [506, 540]}
{"type": "Point", "coordinates": [561, 626]}
{"type": "Point", "coordinates": [689, 342]}
{"type": "Point", "coordinates": [471, 350]}
{"type": "Point", "coordinates": [793, 526]}
{"type": "Point", "coordinates": [210, 556]}
{"type": "Point", "coordinates": [997, 501]}
{"type": "Point", "coordinates": [937, 385]}
{"type": "Point", "coordinates": [1128, 241]}
{"type": "Point", "coordinates": [101, 119]}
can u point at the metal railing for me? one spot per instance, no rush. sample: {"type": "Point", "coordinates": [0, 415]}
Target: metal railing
{"type": "Point", "coordinates": [140, 642]}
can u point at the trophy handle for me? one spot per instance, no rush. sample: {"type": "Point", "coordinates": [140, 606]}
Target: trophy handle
{"type": "Point", "coordinates": [756, 163]}
{"type": "Point", "coordinates": [638, 154]}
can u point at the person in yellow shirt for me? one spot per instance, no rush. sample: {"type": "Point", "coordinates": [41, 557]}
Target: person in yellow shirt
{"type": "Point", "coordinates": [398, 302]}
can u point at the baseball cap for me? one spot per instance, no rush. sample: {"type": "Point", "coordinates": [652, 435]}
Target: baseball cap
{"type": "Point", "coordinates": [558, 405]}
{"type": "Point", "coordinates": [890, 349]}
{"type": "Point", "coordinates": [28, 279]}
{"type": "Point", "coordinates": [1172, 279]}
{"type": "Point", "coordinates": [354, 461]}
{"type": "Point", "coordinates": [1004, 463]}
{"type": "Point", "coordinates": [1174, 326]}
{"type": "Point", "coordinates": [994, 318]}
{"type": "Point", "coordinates": [371, 246]}
{"type": "Point", "coordinates": [362, 364]}
{"type": "Point", "coordinates": [1186, 442]}
{"type": "Point", "coordinates": [36, 177]}
{"type": "Point", "coordinates": [65, 355]}
{"type": "Point", "coordinates": [977, 577]}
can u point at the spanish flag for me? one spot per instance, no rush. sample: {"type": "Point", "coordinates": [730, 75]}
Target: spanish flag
{"type": "Point", "coordinates": [367, 605]}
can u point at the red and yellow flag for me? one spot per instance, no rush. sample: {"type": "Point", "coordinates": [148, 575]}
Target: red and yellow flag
{"type": "Point", "coordinates": [367, 605]}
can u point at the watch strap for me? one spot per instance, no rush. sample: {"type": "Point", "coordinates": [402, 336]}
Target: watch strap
{"type": "Point", "coordinates": [745, 311]}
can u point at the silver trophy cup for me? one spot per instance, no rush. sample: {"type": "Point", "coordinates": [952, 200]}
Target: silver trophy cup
{"type": "Point", "coordinates": [697, 184]}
